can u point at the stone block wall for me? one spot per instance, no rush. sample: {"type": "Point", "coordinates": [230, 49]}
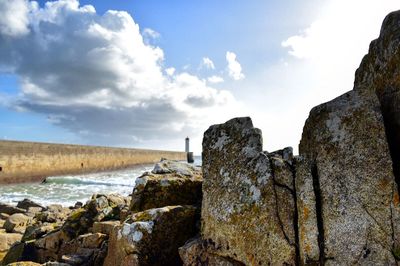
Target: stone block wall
{"type": "Point", "coordinates": [30, 161]}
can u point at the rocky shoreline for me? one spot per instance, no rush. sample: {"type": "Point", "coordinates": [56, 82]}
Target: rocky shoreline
{"type": "Point", "coordinates": [145, 228]}
{"type": "Point", "coordinates": [337, 203]}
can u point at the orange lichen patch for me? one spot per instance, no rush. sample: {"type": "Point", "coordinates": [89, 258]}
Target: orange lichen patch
{"type": "Point", "coordinates": [396, 199]}
{"type": "Point", "coordinates": [302, 234]}
{"type": "Point", "coordinates": [384, 183]}
{"type": "Point", "coordinates": [307, 248]}
{"type": "Point", "coordinates": [306, 212]}
{"type": "Point", "coordinates": [252, 259]}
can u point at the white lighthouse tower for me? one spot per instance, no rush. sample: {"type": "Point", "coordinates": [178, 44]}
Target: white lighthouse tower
{"type": "Point", "coordinates": [189, 154]}
{"type": "Point", "coordinates": [187, 144]}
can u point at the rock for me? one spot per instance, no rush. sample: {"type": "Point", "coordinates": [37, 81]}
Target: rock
{"type": "Point", "coordinates": [98, 208]}
{"type": "Point", "coordinates": [105, 227]}
{"type": "Point", "coordinates": [176, 167]}
{"type": "Point", "coordinates": [379, 73]}
{"type": "Point", "coordinates": [55, 263]}
{"type": "Point", "coordinates": [248, 207]}
{"type": "Point", "coordinates": [32, 211]}
{"type": "Point", "coordinates": [355, 199]}
{"type": "Point", "coordinates": [16, 223]}
{"type": "Point", "coordinates": [68, 238]}
{"type": "Point", "coordinates": [8, 209]}
{"type": "Point", "coordinates": [24, 263]}
{"type": "Point", "coordinates": [88, 249]}
{"type": "Point", "coordinates": [7, 240]}
{"type": "Point", "coordinates": [194, 253]}
{"type": "Point", "coordinates": [36, 231]}
{"type": "Point", "coordinates": [20, 252]}
{"type": "Point", "coordinates": [48, 247]}
{"type": "Point", "coordinates": [78, 205]}
{"type": "Point", "coordinates": [152, 237]}
{"type": "Point", "coordinates": [307, 213]}
{"type": "Point", "coordinates": [27, 203]}
{"type": "Point", "coordinates": [54, 213]}
{"type": "Point", "coordinates": [167, 189]}
{"type": "Point", "coordinates": [4, 216]}
{"type": "Point", "coordinates": [87, 241]}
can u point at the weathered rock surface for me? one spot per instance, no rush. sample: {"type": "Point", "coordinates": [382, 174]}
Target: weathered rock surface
{"type": "Point", "coordinates": [248, 207]}
{"type": "Point", "coordinates": [59, 234]}
{"type": "Point", "coordinates": [355, 193]}
{"type": "Point", "coordinates": [6, 240]}
{"type": "Point", "coordinates": [195, 253]}
{"type": "Point", "coordinates": [98, 208]}
{"type": "Point", "coordinates": [8, 209]}
{"type": "Point", "coordinates": [152, 237]}
{"type": "Point", "coordinates": [54, 213]}
{"type": "Point", "coordinates": [170, 183]}
{"type": "Point", "coordinates": [27, 203]}
{"type": "Point", "coordinates": [16, 223]}
{"type": "Point", "coordinates": [379, 72]}
{"type": "Point", "coordinates": [24, 263]}
{"type": "Point", "coordinates": [105, 227]}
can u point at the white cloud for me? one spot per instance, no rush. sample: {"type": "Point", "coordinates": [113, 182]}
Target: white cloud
{"type": "Point", "coordinates": [95, 74]}
{"type": "Point", "coordinates": [234, 67]}
{"type": "Point", "coordinates": [337, 40]}
{"type": "Point", "coordinates": [170, 71]}
{"type": "Point", "coordinates": [14, 17]}
{"type": "Point", "coordinates": [320, 65]}
{"type": "Point", "coordinates": [215, 79]}
{"type": "Point", "coordinates": [150, 33]}
{"type": "Point", "coordinates": [207, 63]}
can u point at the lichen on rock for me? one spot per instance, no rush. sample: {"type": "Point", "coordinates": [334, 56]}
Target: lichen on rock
{"type": "Point", "coordinates": [170, 183]}
{"type": "Point", "coordinates": [152, 237]}
{"type": "Point", "coordinates": [247, 209]}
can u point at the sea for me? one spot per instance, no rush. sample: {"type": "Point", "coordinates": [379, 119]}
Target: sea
{"type": "Point", "coordinates": [69, 189]}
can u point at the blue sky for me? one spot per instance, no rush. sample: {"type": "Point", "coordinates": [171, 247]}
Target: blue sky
{"type": "Point", "coordinates": [76, 74]}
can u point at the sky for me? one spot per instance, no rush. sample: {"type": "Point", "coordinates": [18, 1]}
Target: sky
{"type": "Point", "coordinates": [148, 73]}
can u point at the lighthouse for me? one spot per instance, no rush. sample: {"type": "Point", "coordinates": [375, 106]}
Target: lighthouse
{"type": "Point", "coordinates": [187, 150]}
{"type": "Point", "coordinates": [187, 144]}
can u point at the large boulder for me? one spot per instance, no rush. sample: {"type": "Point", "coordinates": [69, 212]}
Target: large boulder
{"type": "Point", "coordinates": [170, 183]}
{"type": "Point", "coordinates": [355, 202]}
{"type": "Point", "coordinates": [248, 208]}
{"type": "Point", "coordinates": [175, 167]}
{"type": "Point", "coordinates": [379, 72]}
{"type": "Point", "coordinates": [152, 237]}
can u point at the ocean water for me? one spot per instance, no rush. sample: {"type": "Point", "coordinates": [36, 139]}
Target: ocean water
{"type": "Point", "coordinates": [67, 190]}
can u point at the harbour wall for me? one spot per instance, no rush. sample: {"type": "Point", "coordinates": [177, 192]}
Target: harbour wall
{"type": "Point", "coordinates": [32, 162]}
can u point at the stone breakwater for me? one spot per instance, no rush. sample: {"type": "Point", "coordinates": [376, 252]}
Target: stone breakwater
{"type": "Point", "coordinates": [29, 161]}
{"type": "Point", "coordinates": [337, 203]}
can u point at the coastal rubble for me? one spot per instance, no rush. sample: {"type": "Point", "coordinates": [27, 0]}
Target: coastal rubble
{"type": "Point", "coordinates": [85, 235]}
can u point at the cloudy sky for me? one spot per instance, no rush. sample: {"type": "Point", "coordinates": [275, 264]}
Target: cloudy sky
{"type": "Point", "coordinates": [148, 73]}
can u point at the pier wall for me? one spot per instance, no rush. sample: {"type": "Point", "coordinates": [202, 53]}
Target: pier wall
{"type": "Point", "coordinates": [31, 161]}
